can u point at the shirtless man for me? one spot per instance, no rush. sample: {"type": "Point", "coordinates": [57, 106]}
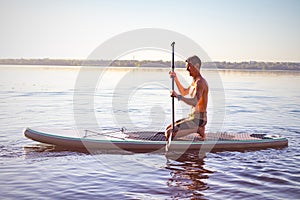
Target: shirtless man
{"type": "Point", "coordinates": [198, 91]}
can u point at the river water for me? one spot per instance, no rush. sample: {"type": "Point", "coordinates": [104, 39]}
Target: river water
{"type": "Point", "coordinates": [138, 99]}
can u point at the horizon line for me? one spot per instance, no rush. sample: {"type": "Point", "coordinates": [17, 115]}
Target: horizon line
{"type": "Point", "coordinates": [138, 60]}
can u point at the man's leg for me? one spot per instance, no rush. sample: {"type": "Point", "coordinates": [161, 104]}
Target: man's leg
{"type": "Point", "coordinates": [169, 128]}
{"type": "Point", "coordinates": [185, 132]}
{"type": "Point", "coordinates": [169, 131]}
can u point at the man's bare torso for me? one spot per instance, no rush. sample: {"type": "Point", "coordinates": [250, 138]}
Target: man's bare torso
{"type": "Point", "coordinates": [201, 105]}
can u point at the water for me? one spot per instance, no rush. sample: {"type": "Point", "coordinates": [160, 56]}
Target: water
{"type": "Point", "coordinates": [255, 102]}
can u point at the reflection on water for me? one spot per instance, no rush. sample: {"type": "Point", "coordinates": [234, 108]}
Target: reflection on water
{"type": "Point", "coordinates": [256, 102]}
{"type": "Point", "coordinates": [188, 175]}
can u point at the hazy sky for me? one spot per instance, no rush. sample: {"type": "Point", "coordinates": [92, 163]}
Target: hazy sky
{"type": "Point", "coordinates": [228, 30]}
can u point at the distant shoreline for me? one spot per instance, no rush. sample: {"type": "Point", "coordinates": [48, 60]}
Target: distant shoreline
{"type": "Point", "coordinates": [252, 65]}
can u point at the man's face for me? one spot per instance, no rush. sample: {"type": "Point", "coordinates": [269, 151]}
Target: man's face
{"type": "Point", "coordinates": [191, 69]}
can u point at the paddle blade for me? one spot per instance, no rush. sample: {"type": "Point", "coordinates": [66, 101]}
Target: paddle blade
{"type": "Point", "coordinates": [168, 144]}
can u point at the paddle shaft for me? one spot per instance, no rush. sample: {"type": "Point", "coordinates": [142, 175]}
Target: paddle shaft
{"type": "Point", "coordinates": [173, 106]}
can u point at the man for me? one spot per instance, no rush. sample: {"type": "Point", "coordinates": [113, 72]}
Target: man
{"type": "Point", "coordinates": [198, 92]}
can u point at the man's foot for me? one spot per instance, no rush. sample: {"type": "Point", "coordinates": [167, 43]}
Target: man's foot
{"type": "Point", "coordinates": [201, 133]}
{"type": "Point", "coordinates": [201, 137]}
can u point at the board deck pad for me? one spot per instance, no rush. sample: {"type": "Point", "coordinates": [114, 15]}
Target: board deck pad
{"type": "Point", "coordinates": [160, 136]}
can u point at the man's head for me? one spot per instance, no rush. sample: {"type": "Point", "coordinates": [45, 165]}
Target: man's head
{"type": "Point", "coordinates": [193, 65]}
{"type": "Point", "coordinates": [194, 60]}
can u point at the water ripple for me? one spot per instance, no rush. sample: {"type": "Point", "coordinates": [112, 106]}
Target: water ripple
{"type": "Point", "coordinates": [30, 170]}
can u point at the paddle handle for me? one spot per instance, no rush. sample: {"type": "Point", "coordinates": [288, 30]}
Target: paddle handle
{"type": "Point", "coordinates": [173, 106]}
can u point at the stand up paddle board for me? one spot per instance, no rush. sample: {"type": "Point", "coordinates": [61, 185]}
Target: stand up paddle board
{"type": "Point", "coordinates": [153, 141]}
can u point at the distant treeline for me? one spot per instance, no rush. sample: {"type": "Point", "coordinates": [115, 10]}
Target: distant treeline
{"type": "Point", "coordinates": [252, 65]}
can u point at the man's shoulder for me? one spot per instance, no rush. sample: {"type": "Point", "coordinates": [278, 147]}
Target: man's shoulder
{"type": "Point", "coordinates": [201, 82]}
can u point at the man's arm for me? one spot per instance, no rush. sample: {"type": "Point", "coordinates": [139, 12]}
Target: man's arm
{"type": "Point", "coordinates": [193, 100]}
{"type": "Point", "coordinates": [183, 91]}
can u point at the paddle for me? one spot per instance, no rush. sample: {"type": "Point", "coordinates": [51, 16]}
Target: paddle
{"type": "Point", "coordinates": [173, 106]}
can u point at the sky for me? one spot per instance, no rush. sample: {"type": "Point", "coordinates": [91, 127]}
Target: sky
{"type": "Point", "coordinates": [228, 30]}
